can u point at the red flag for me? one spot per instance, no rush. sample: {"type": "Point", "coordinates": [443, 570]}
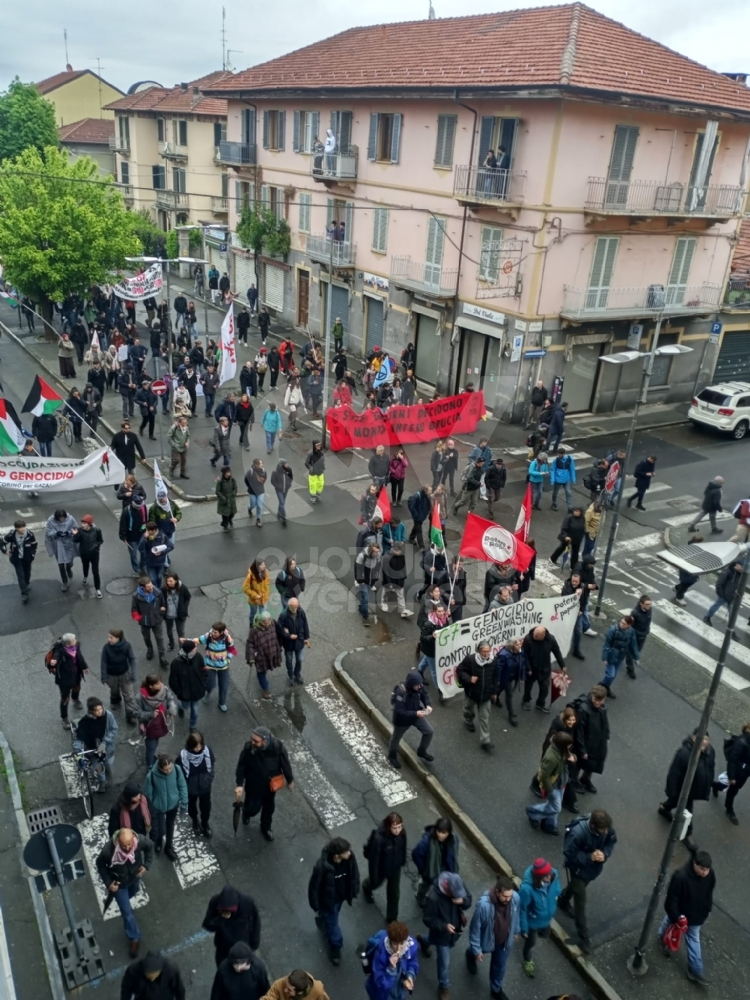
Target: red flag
{"type": "Point", "coordinates": [523, 524]}
{"type": "Point", "coordinates": [492, 543]}
{"type": "Point", "coordinates": [383, 506]}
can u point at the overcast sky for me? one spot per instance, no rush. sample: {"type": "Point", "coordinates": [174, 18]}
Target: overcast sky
{"type": "Point", "coordinates": [177, 42]}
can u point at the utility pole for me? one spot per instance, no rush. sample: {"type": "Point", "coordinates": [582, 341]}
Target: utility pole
{"type": "Point", "coordinates": [223, 38]}
{"type": "Point", "coordinates": [65, 36]}
{"type": "Point", "coordinates": [327, 365]}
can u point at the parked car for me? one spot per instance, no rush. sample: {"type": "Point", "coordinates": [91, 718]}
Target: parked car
{"type": "Point", "coordinates": [725, 407]}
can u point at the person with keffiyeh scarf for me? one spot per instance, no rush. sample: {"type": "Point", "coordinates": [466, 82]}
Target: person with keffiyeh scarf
{"type": "Point", "coordinates": [121, 864]}
{"type": "Point", "coordinates": [198, 764]}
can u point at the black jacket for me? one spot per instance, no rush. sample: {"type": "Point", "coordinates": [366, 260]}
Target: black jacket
{"type": "Point", "coordinates": [738, 760]}
{"type": "Point", "coordinates": [385, 854]}
{"type": "Point", "coordinates": [68, 672]}
{"type": "Point", "coordinates": [379, 465]}
{"type": "Point", "coordinates": [243, 320]}
{"type": "Point", "coordinates": [89, 542]}
{"type": "Point", "coordinates": [117, 659]}
{"type": "Point", "coordinates": [264, 324]}
{"type": "Point", "coordinates": [252, 984]}
{"type": "Point", "coordinates": [394, 568]}
{"type": "Point", "coordinates": [581, 842]}
{"type": "Point", "coordinates": [183, 599]}
{"type": "Point", "coordinates": [485, 686]}
{"type": "Point", "coordinates": [137, 821]}
{"type": "Point", "coordinates": [712, 497]}
{"type": "Point", "coordinates": [287, 626]}
{"type": "Point", "coordinates": [642, 479]}
{"type": "Point", "coordinates": [496, 578]}
{"type": "Point", "coordinates": [439, 911]}
{"type": "Point", "coordinates": [726, 585]}
{"type": "Point", "coordinates": [147, 401]}
{"type": "Point", "coordinates": [290, 585]}
{"type": "Point", "coordinates": [690, 895]}
{"type": "Point", "coordinates": [255, 480]}
{"type": "Point", "coordinates": [125, 873]}
{"type": "Point", "coordinates": [187, 676]}
{"type": "Point", "coordinates": [539, 396]}
{"type": "Point", "coordinates": [321, 890]}
{"type": "Point", "coordinates": [169, 985]}
{"type": "Point", "coordinates": [315, 463]}
{"type": "Point", "coordinates": [132, 522]}
{"type": "Point", "coordinates": [125, 446]}
{"type": "Point", "coordinates": [573, 527]}
{"type": "Point", "coordinates": [641, 622]}
{"type": "Point", "coordinates": [44, 428]}
{"type": "Point", "coordinates": [407, 701]}
{"type": "Point", "coordinates": [24, 553]}
{"type": "Point", "coordinates": [591, 734]}
{"type": "Point", "coordinates": [704, 774]}
{"type": "Point", "coordinates": [538, 653]}
{"type": "Point", "coordinates": [495, 477]}
{"type": "Point", "coordinates": [243, 925]}
{"type": "Point", "coordinates": [420, 506]}
{"type": "Point", "coordinates": [255, 768]}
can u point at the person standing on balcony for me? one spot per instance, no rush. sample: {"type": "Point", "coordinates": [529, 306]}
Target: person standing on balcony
{"type": "Point", "coordinates": [330, 151]}
{"type": "Point", "coordinates": [488, 173]}
{"type": "Point", "coordinates": [503, 172]}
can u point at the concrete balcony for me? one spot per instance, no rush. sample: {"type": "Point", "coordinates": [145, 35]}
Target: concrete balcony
{"type": "Point", "coordinates": [651, 199]}
{"type": "Point", "coordinates": [332, 168]}
{"type": "Point", "coordinates": [425, 279]}
{"type": "Point", "coordinates": [126, 190]}
{"type": "Point", "coordinates": [171, 151]}
{"type": "Point", "coordinates": [590, 304]}
{"type": "Point", "coordinates": [170, 201]}
{"type": "Point", "coordinates": [318, 247]}
{"type": "Point", "coordinates": [475, 186]}
{"type": "Point", "coordinates": [239, 154]}
{"type": "Point", "coordinates": [219, 205]}
{"type": "Point", "coordinates": [119, 144]}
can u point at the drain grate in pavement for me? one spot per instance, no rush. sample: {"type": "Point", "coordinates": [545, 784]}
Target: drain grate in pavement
{"type": "Point", "coordinates": [123, 586]}
{"type": "Point", "coordinates": [40, 819]}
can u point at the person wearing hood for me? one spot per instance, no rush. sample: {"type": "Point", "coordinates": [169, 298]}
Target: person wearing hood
{"type": "Point", "coordinates": [538, 647]}
{"type": "Point", "coordinates": [436, 851]}
{"type": "Point", "coordinates": [557, 426]}
{"type": "Point", "coordinates": [700, 790]}
{"type": "Point", "coordinates": [148, 609]}
{"type": "Point", "coordinates": [97, 730]}
{"type": "Point", "coordinates": [334, 881]}
{"type": "Point", "coordinates": [220, 649]}
{"type": "Point", "coordinates": [59, 541]}
{"type": "Point", "coordinates": [590, 737]}
{"type": "Point", "coordinates": [411, 707]}
{"type": "Point", "coordinates": [67, 664]}
{"type": "Point", "coordinates": [330, 151]}
{"type": "Point", "coordinates": [121, 864]}
{"type": "Point", "coordinates": [476, 674]}
{"type": "Point", "coordinates": [133, 521]}
{"type": "Point", "coordinates": [271, 423]}
{"type": "Point", "coordinates": [726, 588]}
{"type": "Point", "coordinates": [233, 918]}
{"type": "Point", "coordinates": [117, 666]}
{"type": "Point", "coordinates": [444, 908]}
{"type": "Point", "coordinates": [262, 649]}
{"type": "Point", "coordinates": [241, 976]}
{"type": "Point", "coordinates": [199, 767]}
{"type": "Point", "coordinates": [571, 535]}
{"type": "Point", "coordinates": [155, 706]}
{"type": "Point", "coordinates": [296, 986]}
{"type": "Point", "coordinates": [494, 926]}
{"type": "Point", "coordinates": [553, 777]}
{"type": "Point", "coordinates": [711, 505]}
{"type": "Point", "coordinates": [226, 498]}
{"type": "Point", "coordinates": [641, 615]}
{"type": "Point", "coordinates": [644, 474]}
{"type": "Point", "coordinates": [394, 964]}
{"type": "Point", "coordinates": [262, 763]}
{"type": "Point", "coordinates": [620, 643]}
{"type": "Point", "coordinates": [152, 978]}
{"type": "Point", "coordinates": [166, 790]}
{"type": "Point", "coordinates": [131, 811]}
{"type": "Point", "coordinates": [538, 469]}
{"type": "Point", "coordinates": [187, 679]}
{"type": "Point", "coordinates": [385, 852]}
{"type": "Point", "coordinates": [538, 898]}
{"type": "Point", "coordinates": [737, 753]}
{"type": "Point", "coordinates": [290, 581]}
{"type": "Point", "coordinates": [690, 895]}
{"type": "Point", "coordinates": [154, 548]}
{"type": "Point", "coordinates": [294, 635]}
{"type": "Point", "coordinates": [315, 463]}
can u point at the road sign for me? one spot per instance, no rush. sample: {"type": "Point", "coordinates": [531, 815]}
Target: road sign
{"type": "Point", "coordinates": [159, 387]}
{"type": "Point", "coordinates": [222, 248]}
{"type": "Point", "coordinates": [534, 354]}
{"type": "Point", "coordinates": [613, 474]}
{"type": "Point", "coordinates": [47, 881]}
{"type": "Point", "coordinates": [716, 329]}
{"type": "Point", "coordinates": [67, 841]}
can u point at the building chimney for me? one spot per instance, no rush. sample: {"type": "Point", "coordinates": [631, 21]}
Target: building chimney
{"type": "Point", "coordinates": [184, 88]}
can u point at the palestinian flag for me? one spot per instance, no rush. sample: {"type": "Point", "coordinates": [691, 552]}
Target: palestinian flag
{"type": "Point", "coordinates": [104, 466]}
{"type": "Point", "coordinates": [42, 399]}
{"type": "Point", "coordinates": [436, 531]}
{"type": "Point", "coordinates": [11, 435]}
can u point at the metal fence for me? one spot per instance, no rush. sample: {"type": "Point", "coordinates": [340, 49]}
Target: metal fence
{"type": "Point", "coordinates": [421, 277]}
{"type": "Point", "coordinates": [318, 247]}
{"type": "Point", "coordinates": [484, 184]}
{"type": "Point", "coordinates": [582, 303]}
{"type": "Point", "coordinates": [655, 197]}
{"type": "Point", "coordinates": [335, 166]}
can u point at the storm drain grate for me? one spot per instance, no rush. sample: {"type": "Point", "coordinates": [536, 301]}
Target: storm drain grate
{"type": "Point", "coordinates": [40, 819]}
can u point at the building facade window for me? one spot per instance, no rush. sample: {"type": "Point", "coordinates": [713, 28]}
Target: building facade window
{"type": "Point", "coordinates": [380, 230]}
{"type": "Point", "coordinates": [159, 178]}
{"type": "Point", "coordinates": [384, 140]}
{"type": "Point", "coordinates": [274, 127]}
{"type": "Point", "coordinates": [306, 128]}
{"type": "Point", "coordinates": [446, 137]}
{"type": "Point", "coordinates": [489, 256]}
{"type": "Point", "coordinates": [305, 206]}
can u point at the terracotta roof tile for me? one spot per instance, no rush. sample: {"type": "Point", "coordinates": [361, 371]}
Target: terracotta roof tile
{"type": "Point", "coordinates": [741, 258]}
{"type": "Point", "coordinates": [173, 100]}
{"type": "Point", "coordinates": [53, 82]}
{"type": "Point", "coordinates": [537, 47]}
{"type": "Point", "coordinates": [93, 131]}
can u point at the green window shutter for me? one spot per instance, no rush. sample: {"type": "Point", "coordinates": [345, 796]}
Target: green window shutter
{"type": "Point", "coordinates": [238, 198]}
{"type": "Point", "coordinates": [304, 213]}
{"type": "Point", "coordinates": [265, 198]}
{"type": "Point", "coordinates": [380, 230]}
{"type": "Point", "coordinates": [372, 140]}
{"type": "Point", "coordinates": [316, 124]}
{"type": "Point", "coordinates": [296, 132]}
{"type": "Point", "coordinates": [623, 152]}
{"type": "Point", "coordinates": [489, 260]}
{"type": "Point", "coordinates": [446, 133]}
{"type": "Point", "coordinates": [349, 220]}
{"type": "Point", "coordinates": [281, 129]}
{"type": "Point", "coordinates": [434, 255]}
{"type": "Point", "coordinates": [486, 128]}
{"type": "Point", "coordinates": [680, 270]}
{"type": "Point", "coordinates": [344, 134]}
{"type": "Point", "coordinates": [266, 115]}
{"type": "Point", "coordinates": [396, 138]}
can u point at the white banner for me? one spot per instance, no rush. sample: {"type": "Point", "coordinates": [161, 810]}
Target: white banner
{"type": "Point", "coordinates": [514, 621]}
{"type": "Point", "coordinates": [100, 468]}
{"type": "Point", "coordinates": [228, 367]}
{"type": "Point", "coordinates": [142, 286]}
{"type": "Point", "coordinates": [162, 496]}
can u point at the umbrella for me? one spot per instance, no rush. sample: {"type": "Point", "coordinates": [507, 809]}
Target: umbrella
{"type": "Point", "coordinates": [236, 816]}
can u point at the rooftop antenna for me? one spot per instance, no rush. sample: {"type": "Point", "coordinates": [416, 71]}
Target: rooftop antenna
{"type": "Point", "coordinates": [229, 68]}
{"type": "Point", "coordinates": [431, 14]}
{"type": "Point", "coordinates": [65, 36]}
{"type": "Point", "coordinates": [223, 38]}
{"type": "Point", "coordinates": [99, 75]}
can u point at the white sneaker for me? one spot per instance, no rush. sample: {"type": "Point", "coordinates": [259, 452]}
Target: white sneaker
{"type": "Point", "coordinates": [590, 631]}
{"type": "Point", "coordinates": [384, 607]}
{"type": "Point", "coordinates": [406, 613]}
{"type": "Point", "coordinates": [99, 593]}
{"type": "Point", "coordinates": [681, 602]}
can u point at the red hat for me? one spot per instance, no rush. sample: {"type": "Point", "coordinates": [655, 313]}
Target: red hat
{"type": "Point", "coordinates": [87, 519]}
{"type": "Point", "coordinates": [541, 868]}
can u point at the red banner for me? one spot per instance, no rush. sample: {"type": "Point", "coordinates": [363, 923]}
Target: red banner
{"type": "Point", "coordinates": [492, 543]}
{"type": "Point", "coordinates": [405, 424]}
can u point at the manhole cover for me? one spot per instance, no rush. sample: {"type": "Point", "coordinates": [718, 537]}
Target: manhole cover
{"type": "Point", "coordinates": [451, 534]}
{"type": "Point", "coordinates": [123, 586]}
{"type": "Point", "coordinates": [681, 505]}
{"type": "Point", "coordinates": [40, 819]}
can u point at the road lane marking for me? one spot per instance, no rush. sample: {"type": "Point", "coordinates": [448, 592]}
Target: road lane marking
{"type": "Point", "coordinates": [710, 635]}
{"type": "Point", "coordinates": [641, 542]}
{"type": "Point", "coordinates": [195, 862]}
{"type": "Point", "coordinates": [675, 522]}
{"type": "Point", "coordinates": [95, 836]}
{"type": "Point", "coordinates": [322, 796]}
{"type": "Point", "coordinates": [361, 743]}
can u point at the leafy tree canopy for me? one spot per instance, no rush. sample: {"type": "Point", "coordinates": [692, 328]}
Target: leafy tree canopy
{"type": "Point", "coordinates": [152, 238]}
{"type": "Point", "coordinates": [62, 229]}
{"type": "Point", "coordinates": [26, 119]}
{"type": "Point", "coordinates": [261, 232]}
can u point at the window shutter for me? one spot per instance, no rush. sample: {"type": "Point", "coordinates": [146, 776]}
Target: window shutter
{"type": "Point", "coordinates": [304, 206]}
{"type": "Point", "coordinates": [217, 133]}
{"type": "Point", "coordinates": [295, 132]}
{"type": "Point", "coordinates": [446, 132]}
{"type": "Point", "coordinates": [349, 220]}
{"type": "Point", "coordinates": [344, 135]}
{"type": "Point", "coordinates": [238, 198]}
{"type": "Point", "coordinates": [601, 271]}
{"type": "Point", "coordinates": [396, 138]}
{"type": "Point", "coordinates": [125, 169]}
{"type": "Point", "coordinates": [440, 142]}
{"type": "Point", "coordinates": [281, 129]}
{"type": "Point", "coordinates": [183, 134]}
{"type": "Point", "coordinates": [623, 152]}
{"type": "Point", "coordinates": [380, 242]}
{"type": "Point", "coordinates": [329, 214]}
{"type": "Point", "coordinates": [486, 128]}
{"type": "Point", "coordinates": [489, 266]}
{"type": "Point", "coordinates": [316, 124]}
{"type": "Point", "coordinates": [265, 198]}
{"type": "Point", "coordinates": [372, 140]}
{"type": "Point", "coordinates": [680, 270]}
{"type": "Point", "coordinates": [507, 137]}
{"type": "Point", "coordinates": [225, 185]}
{"type": "Point", "coordinates": [266, 116]}
{"type": "Point", "coordinates": [248, 127]}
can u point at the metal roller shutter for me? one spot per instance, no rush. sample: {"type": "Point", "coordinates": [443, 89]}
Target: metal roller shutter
{"type": "Point", "coordinates": [215, 257]}
{"type": "Point", "coordinates": [273, 287]}
{"type": "Point", "coordinates": [340, 306]}
{"type": "Point", "coordinates": [374, 324]}
{"type": "Point", "coordinates": [428, 350]}
{"type": "Point", "coordinates": [244, 273]}
{"type": "Point", "coordinates": [733, 364]}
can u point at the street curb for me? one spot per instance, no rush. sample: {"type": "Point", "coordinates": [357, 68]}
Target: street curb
{"type": "Point", "coordinates": [479, 841]}
{"type": "Point", "coordinates": [42, 919]}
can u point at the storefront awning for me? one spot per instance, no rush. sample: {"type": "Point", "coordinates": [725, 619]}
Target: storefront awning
{"type": "Point", "coordinates": [576, 339]}
{"type": "Point", "coordinates": [467, 323]}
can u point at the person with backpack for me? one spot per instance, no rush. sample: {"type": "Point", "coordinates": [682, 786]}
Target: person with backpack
{"type": "Point", "coordinates": [641, 615]}
{"type": "Point", "coordinates": [220, 649]}
{"type": "Point", "coordinates": [538, 469]}
{"type": "Point", "coordinates": [495, 479]}
{"type": "Point", "coordinates": [711, 505]}
{"type": "Point", "coordinates": [737, 756]}
{"type": "Point", "coordinates": [690, 895]}
{"type": "Point", "coordinates": [588, 846]}
{"type": "Point", "coordinates": [572, 533]}
{"type": "Point", "coordinates": [562, 472]}
{"type": "Point", "coordinates": [334, 881]}
{"type": "Point", "coordinates": [620, 643]}
{"type": "Point", "coordinates": [411, 707]}
{"type": "Point", "coordinates": [477, 675]}
{"type": "Point", "coordinates": [391, 956]}
{"type": "Point", "coordinates": [564, 722]}
{"type": "Point", "coordinates": [553, 777]}
{"type": "Point", "coordinates": [539, 892]}
{"type": "Point", "coordinates": [66, 663]}
{"type": "Point", "coordinates": [703, 779]}
{"type": "Point", "coordinates": [166, 790]}
{"type": "Point", "coordinates": [444, 909]}
{"type": "Point", "coordinates": [471, 488]}
{"type": "Point", "coordinates": [385, 852]}
{"type": "Point", "coordinates": [493, 929]}
{"type": "Point", "coordinates": [437, 850]}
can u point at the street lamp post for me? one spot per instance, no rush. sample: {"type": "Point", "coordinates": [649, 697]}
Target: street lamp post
{"type": "Point", "coordinates": [329, 306]}
{"type": "Point", "coordinates": [624, 358]}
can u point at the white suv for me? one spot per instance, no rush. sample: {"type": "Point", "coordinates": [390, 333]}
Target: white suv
{"type": "Point", "coordinates": [725, 407]}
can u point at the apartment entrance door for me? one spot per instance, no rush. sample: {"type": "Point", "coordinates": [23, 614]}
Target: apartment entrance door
{"type": "Point", "coordinates": [303, 297]}
{"type": "Point", "coordinates": [580, 377]}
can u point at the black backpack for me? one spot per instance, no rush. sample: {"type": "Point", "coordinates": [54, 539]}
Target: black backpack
{"type": "Point", "coordinates": [728, 744]}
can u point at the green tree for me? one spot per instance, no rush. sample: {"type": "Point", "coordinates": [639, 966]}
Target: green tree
{"type": "Point", "coordinates": [26, 119]}
{"type": "Point", "coordinates": [152, 238]}
{"type": "Point", "coordinates": [261, 232]}
{"type": "Point", "coordinates": [62, 229]}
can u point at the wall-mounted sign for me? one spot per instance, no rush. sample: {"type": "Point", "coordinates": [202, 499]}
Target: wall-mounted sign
{"type": "Point", "coordinates": [534, 354]}
{"type": "Point", "coordinates": [375, 281]}
{"type": "Point", "coordinates": [520, 325]}
{"type": "Point", "coordinates": [634, 336]}
{"type": "Point", "coordinates": [515, 352]}
{"type": "Point", "coordinates": [489, 315]}
{"type": "Point", "coordinates": [536, 327]}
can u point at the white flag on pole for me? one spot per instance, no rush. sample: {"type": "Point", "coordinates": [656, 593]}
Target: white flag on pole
{"type": "Point", "coordinates": [95, 341]}
{"type": "Point", "coordinates": [162, 496]}
{"type": "Point", "coordinates": [228, 360]}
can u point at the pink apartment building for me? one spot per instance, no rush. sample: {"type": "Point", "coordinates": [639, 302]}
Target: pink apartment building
{"type": "Point", "coordinates": [612, 196]}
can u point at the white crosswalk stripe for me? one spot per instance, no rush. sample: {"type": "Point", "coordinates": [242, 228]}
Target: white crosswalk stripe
{"type": "Point", "coordinates": [361, 743]}
{"type": "Point", "coordinates": [675, 522]}
{"type": "Point", "coordinates": [319, 791]}
{"type": "Point", "coordinates": [94, 834]}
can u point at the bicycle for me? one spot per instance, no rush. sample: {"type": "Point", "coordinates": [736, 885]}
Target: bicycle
{"type": "Point", "coordinates": [87, 771]}
{"type": "Point", "coordinates": [65, 428]}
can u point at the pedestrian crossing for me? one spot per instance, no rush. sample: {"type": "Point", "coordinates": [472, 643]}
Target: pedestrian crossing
{"type": "Point", "coordinates": [94, 834]}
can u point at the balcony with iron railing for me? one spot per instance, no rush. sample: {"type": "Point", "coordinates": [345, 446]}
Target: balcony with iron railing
{"type": "Point", "coordinates": [318, 247]}
{"type": "Point", "coordinates": [329, 168]}
{"type": "Point", "coordinates": [239, 154]}
{"type": "Point", "coordinates": [126, 190]}
{"type": "Point", "coordinates": [654, 198]}
{"type": "Point", "coordinates": [485, 186]}
{"type": "Point", "coordinates": [170, 200]}
{"type": "Point", "coordinates": [173, 151]}
{"type": "Point", "coordinates": [639, 303]}
{"type": "Point", "coordinates": [737, 292]}
{"type": "Point", "coordinates": [219, 205]}
{"type": "Point", "coordinates": [119, 143]}
{"type": "Point", "coordinates": [426, 279]}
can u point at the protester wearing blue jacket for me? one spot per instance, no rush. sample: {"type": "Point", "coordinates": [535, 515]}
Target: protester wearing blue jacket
{"type": "Point", "coordinates": [510, 670]}
{"type": "Point", "coordinates": [389, 980]}
{"type": "Point", "coordinates": [562, 472]}
{"type": "Point", "coordinates": [619, 642]}
{"type": "Point", "coordinates": [494, 925]}
{"type": "Point", "coordinates": [538, 469]}
{"type": "Point", "coordinates": [483, 451]}
{"type": "Point", "coordinates": [539, 891]}
{"type": "Point", "coordinates": [271, 423]}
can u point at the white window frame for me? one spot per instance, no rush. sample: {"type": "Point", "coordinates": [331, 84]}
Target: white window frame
{"type": "Point", "coordinates": [305, 211]}
{"type": "Point", "coordinates": [489, 260]}
{"type": "Point", "coordinates": [380, 221]}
